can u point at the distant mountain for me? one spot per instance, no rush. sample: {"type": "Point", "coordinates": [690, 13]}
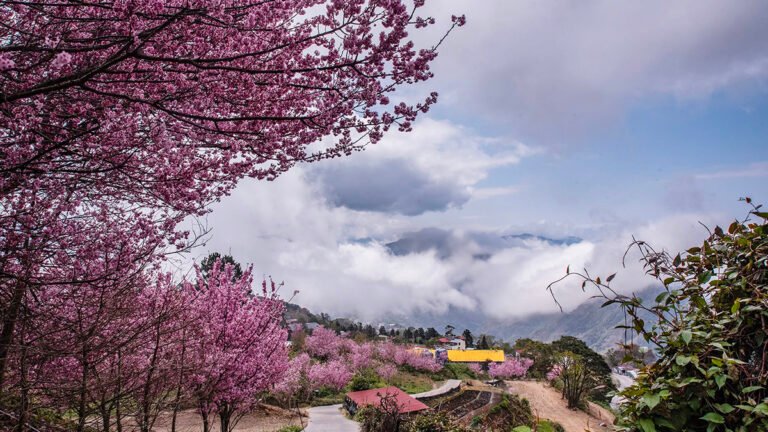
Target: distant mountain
{"type": "Point", "coordinates": [567, 241]}
{"type": "Point", "coordinates": [589, 322]}
{"type": "Point", "coordinates": [447, 243]}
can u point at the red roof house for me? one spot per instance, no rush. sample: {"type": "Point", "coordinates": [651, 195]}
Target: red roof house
{"type": "Point", "coordinates": [405, 402]}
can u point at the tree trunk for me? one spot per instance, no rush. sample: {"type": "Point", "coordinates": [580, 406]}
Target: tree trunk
{"type": "Point", "coordinates": [119, 396]}
{"type": "Point", "coordinates": [177, 399]}
{"type": "Point", "coordinates": [9, 325]}
{"type": "Point", "coordinates": [146, 403]}
{"type": "Point", "coordinates": [82, 405]}
{"type": "Point", "coordinates": [11, 315]}
{"type": "Point", "coordinates": [206, 420]}
{"type": "Point", "coordinates": [106, 417]}
{"type": "Point", "coordinates": [24, 402]}
{"type": "Point", "coordinates": [224, 417]}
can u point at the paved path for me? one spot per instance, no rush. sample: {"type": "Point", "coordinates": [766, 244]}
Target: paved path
{"type": "Point", "coordinates": [330, 418]}
{"type": "Point", "coordinates": [447, 387]}
{"type": "Point", "coordinates": [622, 382]}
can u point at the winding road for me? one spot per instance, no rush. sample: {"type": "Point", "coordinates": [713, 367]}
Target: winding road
{"type": "Point", "coordinates": [330, 418]}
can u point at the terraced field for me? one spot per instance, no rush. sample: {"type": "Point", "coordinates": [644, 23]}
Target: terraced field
{"type": "Point", "coordinates": [464, 404]}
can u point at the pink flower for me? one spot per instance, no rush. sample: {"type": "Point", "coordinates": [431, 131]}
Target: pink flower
{"type": "Point", "coordinates": [6, 63]}
{"type": "Point", "coordinates": [61, 60]}
{"type": "Point", "coordinates": [511, 368]}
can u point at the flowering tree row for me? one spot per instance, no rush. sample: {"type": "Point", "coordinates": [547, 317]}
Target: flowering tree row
{"type": "Point", "coordinates": [120, 119]}
{"type": "Point", "coordinates": [162, 345]}
{"type": "Point", "coordinates": [511, 367]}
{"type": "Point", "coordinates": [330, 361]}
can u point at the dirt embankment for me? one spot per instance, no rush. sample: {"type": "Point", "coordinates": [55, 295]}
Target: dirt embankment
{"type": "Point", "coordinates": [546, 402]}
{"type": "Point", "coordinates": [264, 419]}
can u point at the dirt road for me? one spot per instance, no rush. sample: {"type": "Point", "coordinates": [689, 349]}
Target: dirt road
{"type": "Point", "coordinates": [546, 402]}
{"type": "Point", "coordinates": [264, 419]}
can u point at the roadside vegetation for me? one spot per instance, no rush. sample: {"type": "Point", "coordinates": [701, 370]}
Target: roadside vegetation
{"type": "Point", "coordinates": [711, 333]}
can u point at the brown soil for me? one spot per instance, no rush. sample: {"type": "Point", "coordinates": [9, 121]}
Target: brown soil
{"type": "Point", "coordinates": [546, 402]}
{"type": "Point", "coordinates": [266, 418]}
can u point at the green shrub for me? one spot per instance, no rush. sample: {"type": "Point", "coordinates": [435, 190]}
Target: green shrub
{"type": "Point", "coordinates": [364, 381]}
{"type": "Point", "coordinates": [710, 331]}
{"type": "Point", "coordinates": [292, 428]}
{"type": "Point", "coordinates": [511, 412]}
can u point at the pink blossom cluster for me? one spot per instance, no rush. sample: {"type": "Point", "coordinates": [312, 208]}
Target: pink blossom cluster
{"type": "Point", "coordinates": [386, 371]}
{"type": "Point", "coordinates": [240, 350]}
{"type": "Point", "coordinates": [324, 343]}
{"type": "Point", "coordinates": [120, 120]}
{"type": "Point", "coordinates": [512, 367]}
{"type": "Point", "coordinates": [555, 372]}
{"type": "Point", "coordinates": [334, 374]}
{"type": "Point", "coordinates": [331, 360]}
{"type": "Point", "coordinates": [6, 63]}
{"type": "Point", "coordinates": [477, 368]}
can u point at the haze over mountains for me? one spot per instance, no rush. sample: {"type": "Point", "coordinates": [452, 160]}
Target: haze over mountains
{"type": "Point", "coordinates": [587, 321]}
{"type": "Point", "coordinates": [590, 322]}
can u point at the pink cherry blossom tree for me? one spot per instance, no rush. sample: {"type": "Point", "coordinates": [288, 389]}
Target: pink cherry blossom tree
{"type": "Point", "coordinates": [512, 367]}
{"type": "Point", "coordinates": [334, 374]}
{"type": "Point", "coordinates": [240, 350]}
{"type": "Point", "coordinates": [324, 344]}
{"type": "Point", "coordinates": [118, 120]}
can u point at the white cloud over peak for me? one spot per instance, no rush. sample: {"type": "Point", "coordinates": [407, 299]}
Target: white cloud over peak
{"type": "Point", "coordinates": [342, 262]}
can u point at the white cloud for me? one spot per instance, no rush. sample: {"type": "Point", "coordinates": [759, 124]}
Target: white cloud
{"type": "Point", "coordinates": [434, 168]}
{"type": "Point", "coordinates": [756, 169]}
{"type": "Point", "coordinates": [288, 231]}
{"type": "Point", "coordinates": [552, 68]}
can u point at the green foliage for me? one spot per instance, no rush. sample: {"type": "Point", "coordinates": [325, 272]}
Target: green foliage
{"type": "Point", "coordinates": [601, 384]}
{"type": "Point", "coordinates": [292, 428]}
{"type": "Point", "coordinates": [511, 412]}
{"type": "Point", "coordinates": [207, 264]}
{"type": "Point", "coordinates": [542, 354]}
{"type": "Point", "coordinates": [468, 338]}
{"type": "Point", "coordinates": [576, 379]}
{"type": "Point", "coordinates": [454, 371]}
{"type": "Point", "coordinates": [364, 381]}
{"type": "Point", "coordinates": [549, 426]}
{"type": "Point", "coordinates": [712, 334]}
{"type": "Point", "coordinates": [410, 382]}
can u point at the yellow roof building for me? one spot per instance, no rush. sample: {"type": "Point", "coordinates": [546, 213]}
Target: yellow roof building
{"type": "Point", "coordinates": [475, 356]}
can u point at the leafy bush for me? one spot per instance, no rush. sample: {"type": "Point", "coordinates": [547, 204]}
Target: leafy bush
{"type": "Point", "coordinates": [292, 428]}
{"type": "Point", "coordinates": [597, 367]}
{"type": "Point", "coordinates": [512, 411]}
{"type": "Point", "coordinates": [363, 381]}
{"type": "Point", "coordinates": [549, 426]}
{"type": "Point", "coordinates": [711, 335]}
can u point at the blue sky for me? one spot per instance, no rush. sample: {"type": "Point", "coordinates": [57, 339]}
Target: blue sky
{"type": "Point", "coordinates": [598, 119]}
{"type": "Point", "coordinates": [651, 163]}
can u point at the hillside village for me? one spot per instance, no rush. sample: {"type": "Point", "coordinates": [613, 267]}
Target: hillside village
{"type": "Point", "coordinates": [472, 376]}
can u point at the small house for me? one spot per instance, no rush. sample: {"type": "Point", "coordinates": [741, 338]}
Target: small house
{"type": "Point", "coordinates": [406, 403]}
